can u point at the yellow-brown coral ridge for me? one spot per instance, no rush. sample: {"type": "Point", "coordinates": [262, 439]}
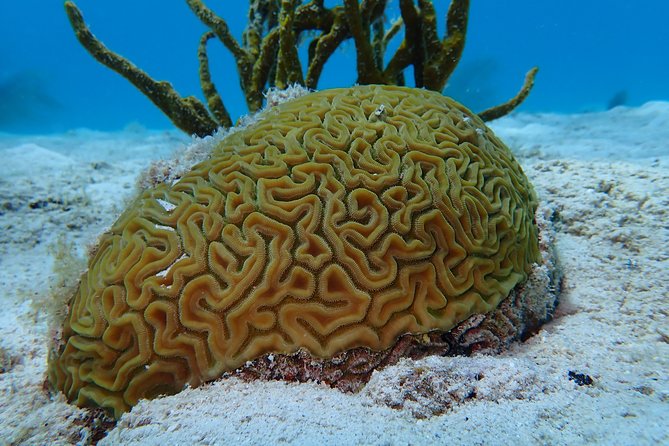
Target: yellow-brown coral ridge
{"type": "Point", "coordinates": [342, 219]}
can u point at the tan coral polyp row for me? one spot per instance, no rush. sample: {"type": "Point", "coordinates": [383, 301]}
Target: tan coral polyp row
{"type": "Point", "coordinates": [332, 223]}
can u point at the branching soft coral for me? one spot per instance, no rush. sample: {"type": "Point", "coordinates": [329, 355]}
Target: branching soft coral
{"type": "Point", "coordinates": [267, 55]}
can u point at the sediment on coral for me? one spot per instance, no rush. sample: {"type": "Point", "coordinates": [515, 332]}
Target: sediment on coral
{"type": "Point", "coordinates": [341, 220]}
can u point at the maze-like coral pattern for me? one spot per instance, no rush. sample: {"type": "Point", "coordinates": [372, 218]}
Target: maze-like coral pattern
{"type": "Point", "coordinates": [342, 219]}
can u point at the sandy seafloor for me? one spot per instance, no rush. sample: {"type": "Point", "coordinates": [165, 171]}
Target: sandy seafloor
{"type": "Point", "coordinates": [606, 175]}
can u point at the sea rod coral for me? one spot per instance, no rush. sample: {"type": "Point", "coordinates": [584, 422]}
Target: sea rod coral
{"type": "Point", "coordinates": [267, 55]}
{"type": "Point", "coordinates": [340, 231]}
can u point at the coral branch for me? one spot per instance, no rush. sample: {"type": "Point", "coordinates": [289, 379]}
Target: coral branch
{"type": "Point", "coordinates": [506, 108]}
{"type": "Point", "coordinates": [378, 43]}
{"type": "Point", "coordinates": [214, 100]}
{"type": "Point", "coordinates": [324, 47]}
{"type": "Point", "coordinates": [262, 70]}
{"type": "Point", "coordinates": [441, 62]}
{"type": "Point", "coordinates": [220, 28]}
{"type": "Point", "coordinates": [428, 17]}
{"type": "Point", "coordinates": [412, 46]}
{"type": "Point", "coordinates": [188, 114]}
{"type": "Point", "coordinates": [267, 56]}
{"type": "Point", "coordinates": [392, 32]}
{"type": "Point", "coordinates": [260, 11]}
{"type": "Point", "coordinates": [368, 73]}
{"type": "Point", "coordinates": [288, 69]}
{"type": "Point", "coordinates": [314, 16]}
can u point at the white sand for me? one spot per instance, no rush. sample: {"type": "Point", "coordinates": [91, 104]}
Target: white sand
{"type": "Point", "coordinates": [607, 176]}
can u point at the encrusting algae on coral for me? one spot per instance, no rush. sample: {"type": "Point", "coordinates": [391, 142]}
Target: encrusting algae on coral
{"type": "Point", "coordinates": [342, 230]}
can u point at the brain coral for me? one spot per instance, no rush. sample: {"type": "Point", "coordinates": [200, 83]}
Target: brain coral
{"type": "Point", "coordinates": [342, 219]}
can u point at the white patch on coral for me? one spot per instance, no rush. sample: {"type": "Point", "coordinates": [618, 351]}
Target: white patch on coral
{"type": "Point", "coordinates": [275, 96]}
{"type": "Point", "coordinates": [171, 171]}
{"type": "Point", "coordinates": [164, 272]}
{"type": "Point", "coordinates": [378, 114]}
{"type": "Point", "coordinates": [166, 205]}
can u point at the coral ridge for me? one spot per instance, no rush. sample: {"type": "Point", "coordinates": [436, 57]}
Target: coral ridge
{"type": "Point", "coordinates": [325, 226]}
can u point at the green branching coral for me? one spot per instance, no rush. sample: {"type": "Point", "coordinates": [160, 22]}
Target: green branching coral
{"type": "Point", "coordinates": [267, 55]}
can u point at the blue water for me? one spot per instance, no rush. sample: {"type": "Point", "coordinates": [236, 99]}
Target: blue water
{"type": "Point", "coordinates": [592, 54]}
